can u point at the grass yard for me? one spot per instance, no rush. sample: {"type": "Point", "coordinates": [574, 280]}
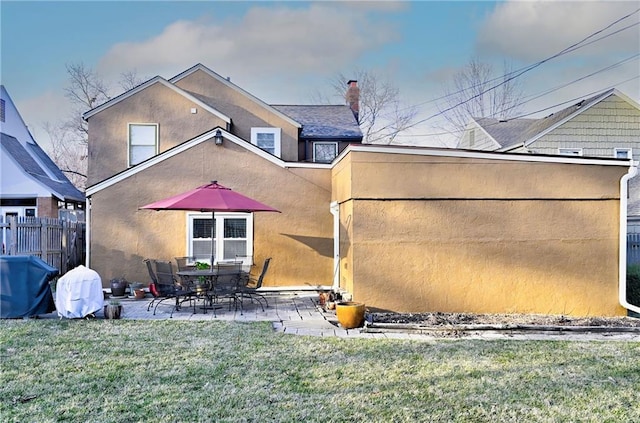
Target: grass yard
{"type": "Point", "coordinates": [180, 371]}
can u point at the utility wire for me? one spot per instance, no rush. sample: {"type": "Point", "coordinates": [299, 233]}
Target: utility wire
{"type": "Point", "coordinates": [527, 69]}
{"type": "Point", "coordinates": [535, 111]}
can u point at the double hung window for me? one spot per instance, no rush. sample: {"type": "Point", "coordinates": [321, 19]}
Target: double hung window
{"type": "Point", "coordinates": [232, 236]}
{"type": "Point", "coordinates": [143, 142]}
{"type": "Point", "coordinates": [267, 139]}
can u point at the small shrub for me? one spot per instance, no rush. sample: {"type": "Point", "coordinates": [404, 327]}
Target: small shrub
{"type": "Point", "coordinates": [633, 284]}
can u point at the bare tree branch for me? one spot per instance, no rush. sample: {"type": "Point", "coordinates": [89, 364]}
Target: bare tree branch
{"type": "Point", "coordinates": [473, 82]}
{"type": "Point", "coordinates": [381, 117]}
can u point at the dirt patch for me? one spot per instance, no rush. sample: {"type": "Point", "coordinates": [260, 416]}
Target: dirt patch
{"type": "Point", "coordinates": [451, 319]}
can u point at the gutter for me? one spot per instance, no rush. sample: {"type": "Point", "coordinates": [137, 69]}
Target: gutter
{"type": "Point", "coordinates": [87, 232]}
{"type": "Point", "coordinates": [622, 283]}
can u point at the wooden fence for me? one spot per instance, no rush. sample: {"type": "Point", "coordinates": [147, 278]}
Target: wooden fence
{"type": "Point", "coordinates": [60, 243]}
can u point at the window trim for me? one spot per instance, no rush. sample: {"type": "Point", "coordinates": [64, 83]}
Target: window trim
{"type": "Point", "coordinates": [628, 150]}
{"type": "Point", "coordinates": [277, 132]}
{"type": "Point", "coordinates": [131, 124]}
{"type": "Point", "coordinates": [566, 151]}
{"type": "Point", "coordinates": [219, 246]}
{"type": "Point", "coordinates": [313, 148]}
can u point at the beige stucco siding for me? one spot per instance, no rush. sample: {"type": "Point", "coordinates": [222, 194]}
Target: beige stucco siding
{"type": "Point", "coordinates": [475, 235]}
{"type": "Point", "coordinates": [109, 130]}
{"type": "Point", "coordinates": [300, 239]}
{"type": "Point", "coordinates": [246, 112]}
{"type": "Point", "coordinates": [612, 123]}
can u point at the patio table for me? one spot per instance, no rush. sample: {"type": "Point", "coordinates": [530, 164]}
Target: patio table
{"type": "Point", "coordinates": [214, 288]}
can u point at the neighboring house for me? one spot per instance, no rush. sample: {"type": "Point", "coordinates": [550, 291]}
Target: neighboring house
{"type": "Point", "coordinates": [400, 228]}
{"type": "Point", "coordinates": [605, 125]}
{"type": "Point", "coordinates": [31, 184]}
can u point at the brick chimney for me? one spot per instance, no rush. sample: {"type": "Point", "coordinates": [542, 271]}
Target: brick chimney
{"type": "Point", "coordinates": [353, 98]}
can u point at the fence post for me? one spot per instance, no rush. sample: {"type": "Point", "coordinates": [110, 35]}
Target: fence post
{"type": "Point", "coordinates": [13, 235]}
{"type": "Point", "coordinates": [44, 241]}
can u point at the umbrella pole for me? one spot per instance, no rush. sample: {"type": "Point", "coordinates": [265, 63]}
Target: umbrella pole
{"type": "Point", "coordinates": [213, 229]}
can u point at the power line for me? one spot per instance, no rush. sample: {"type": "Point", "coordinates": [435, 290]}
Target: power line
{"type": "Point", "coordinates": [527, 69]}
{"type": "Point", "coordinates": [536, 111]}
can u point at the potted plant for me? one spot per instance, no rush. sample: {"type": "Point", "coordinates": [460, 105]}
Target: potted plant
{"type": "Point", "coordinates": [113, 310]}
{"type": "Point", "coordinates": [137, 289]}
{"type": "Point", "coordinates": [118, 287]}
{"type": "Point", "coordinates": [201, 283]}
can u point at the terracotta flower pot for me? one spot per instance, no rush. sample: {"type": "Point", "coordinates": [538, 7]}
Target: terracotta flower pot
{"type": "Point", "coordinates": [350, 314]}
{"type": "Point", "coordinates": [139, 294]}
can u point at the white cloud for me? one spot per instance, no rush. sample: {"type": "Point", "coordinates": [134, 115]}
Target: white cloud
{"type": "Point", "coordinates": [270, 41]}
{"type": "Point", "coordinates": [532, 30]}
{"type": "Point", "coordinates": [49, 107]}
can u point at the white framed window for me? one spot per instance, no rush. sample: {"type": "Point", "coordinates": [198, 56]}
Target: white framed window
{"type": "Point", "coordinates": [570, 151]}
{"type": "Point", "coordinates": [622, 153]}
{"type": "Point", "coordinates": [143, 142]}
{"type": "Point", "coordinates": [267, 139]}
{"type": "Point", "coordinates": [324, 152]}
{"type": "Point", "coordinates": [232, 237]}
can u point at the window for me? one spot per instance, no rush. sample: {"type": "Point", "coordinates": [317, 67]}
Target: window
{"type": "Point", "coordinates": [472, 138]}
{"type": "Point", "coordinates": [2, 110]}
{"type": "Point", "coordinates": [325, 152]}
{"type": "Point", "coordinates": [143, 142]}
{"type": "Point", "coordinates": [236, 239]}
{"type": "Point", "coordinates": [267, 139]}
{"type": "Point", "coordinates": [570, 151]}
{"type": "Point", "coordinates": [622, 153]}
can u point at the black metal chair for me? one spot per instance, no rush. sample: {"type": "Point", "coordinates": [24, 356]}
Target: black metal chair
{"type": "Point", "coordinates": [167, 286]}
{"type": "Point", "coordinates": [249, 289]}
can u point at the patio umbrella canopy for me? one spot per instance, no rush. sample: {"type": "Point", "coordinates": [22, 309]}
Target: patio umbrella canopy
{"type": "Point", "coordinates": [212, 197]}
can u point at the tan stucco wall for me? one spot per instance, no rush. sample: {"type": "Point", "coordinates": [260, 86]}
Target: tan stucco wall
{"type": "Point", "coordinates": [473, 235]}
{"type": "Point", "coordinates": [300, 239]}
{"type": "Point", "coordinates": [245, 112]}
{"type": "Point", "coordinates": [109, 130]}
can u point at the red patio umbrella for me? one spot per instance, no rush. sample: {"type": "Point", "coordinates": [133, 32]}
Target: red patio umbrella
{"type": "Point", "coordinates": [212, 197]}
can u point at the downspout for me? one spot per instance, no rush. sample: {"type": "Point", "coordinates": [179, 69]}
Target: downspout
{"type": "Point", "coordinates": [334, 208]}
{"type": "Point", "coordinates": [88, 231]}
{"type": "Point", "coordinates": [622, 283]}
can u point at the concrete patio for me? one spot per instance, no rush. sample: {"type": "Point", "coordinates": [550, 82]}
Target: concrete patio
{"type": "Point", "coordinates": [298, 313]}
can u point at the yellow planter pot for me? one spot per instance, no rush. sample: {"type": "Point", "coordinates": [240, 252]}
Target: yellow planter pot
{"type": "Point", "coordinates": [350, 314]}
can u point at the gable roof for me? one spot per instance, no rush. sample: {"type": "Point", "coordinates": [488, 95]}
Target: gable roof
{"type": "Point", "coordinates": [152, 81]}
{"type": "Point", "coordinates": [61, 188]}
{"type": "Point", "coordinates": [324, 121]}
{"type": "Point", "coordinates": [209, 135]}
{"type": "Point", "coordinates": [228, 83]}
{"type": "Point", "coordinates": [510, 134]}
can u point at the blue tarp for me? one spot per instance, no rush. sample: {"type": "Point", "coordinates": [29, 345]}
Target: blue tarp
{"type": "Point", "coordinates": [24, 287]}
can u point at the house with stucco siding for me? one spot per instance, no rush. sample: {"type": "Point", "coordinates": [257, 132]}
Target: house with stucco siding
{"type": "Point", "coordinates": [401, 228]}
{"type": "Point", "coordinates": [603, 125]}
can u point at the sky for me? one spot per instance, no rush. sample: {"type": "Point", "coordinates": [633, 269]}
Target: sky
{"type": "Point", "coordinates": [288, 52]}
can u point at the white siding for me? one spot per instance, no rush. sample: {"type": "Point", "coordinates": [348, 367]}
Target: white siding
{"type": "Point", "coordinates": [481, 141]}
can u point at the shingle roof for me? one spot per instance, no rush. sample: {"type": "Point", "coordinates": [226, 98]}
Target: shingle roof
{"type": "Point", "coordinates": [506, 132]}
{"type": "Point", "coordinates": [515, 132]}
{"type": "Point", "coordinates": [62, 187]}
{"type": "Point", "coordinates": [324, 121]}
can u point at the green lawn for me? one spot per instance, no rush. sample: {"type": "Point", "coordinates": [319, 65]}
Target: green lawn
{"type": "Point", "coordinates": [177, 371]}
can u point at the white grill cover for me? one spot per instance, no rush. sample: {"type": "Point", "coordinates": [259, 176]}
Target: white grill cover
{"type": "Point", "coordinates": [79, 293]}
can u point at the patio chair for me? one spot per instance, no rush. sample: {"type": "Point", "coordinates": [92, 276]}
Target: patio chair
{"type": "Point", "coordinates": [167, 286]}
{"type": "Point", "coordinates": [249, 289]}
{"type": "Point", "coordinates": [227, 283]}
